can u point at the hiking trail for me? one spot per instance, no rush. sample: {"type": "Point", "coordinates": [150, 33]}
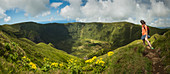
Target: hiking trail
{"type": "Point", "coordinates": [154, 56]}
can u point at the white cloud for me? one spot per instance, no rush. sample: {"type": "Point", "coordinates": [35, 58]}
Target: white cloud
{"type": "Point", "coordinates": [7, 19]}
{"type": "Point", "coordinates": [73, 11]}
{"type": "Point", "coordinates": [46, 13]}
{"type": "Point", "coordinates": [32, 7]}
{"type": "Point", "coordinates": [117, 10]}
{"type": "Point", "coordinates": [161, 22]}
{"type": "Point", "coordinates": [159, 9]}
{"type": "Point", "coordinates": [55, 4]}
{"type": "Point", "coordinates": [51, 19]}
{"type": "Point", "coordinates": [2, 13]}
{"type": "Point", "coordinates": [26, 14]}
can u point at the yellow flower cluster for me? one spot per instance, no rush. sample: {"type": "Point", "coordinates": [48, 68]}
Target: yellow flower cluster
{"type": "Point", "coordinates": [24, 57]}
{"type": "Point", "coordinates": [54, 64]}
{"type": "Point", "coordinates": [27, 59]}
{"type": "Point", "coordinates": [70, 61]}
{"type": "Point", "coordinates": [33, 66]}
{"type": "Point", "coordinates": [61, 65]}
{"type": "Point", "coordinates": [110, 53]}
{"type": "Point", "coordinates": [91, 60]}
{"type": "Point", "coordinates": [100, 62]}
{"type": "Point", "coordinates": [46, 59]}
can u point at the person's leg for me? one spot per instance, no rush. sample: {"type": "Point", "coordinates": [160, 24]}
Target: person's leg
{"type": "Point", "coordinates": [146, 39]}
{"type": "Point", "coordinates": [143, 41]}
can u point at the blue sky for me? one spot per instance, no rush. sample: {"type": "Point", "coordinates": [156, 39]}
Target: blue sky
{"type": "Point", "coordinates": [18, 15]}
{"type": "Point", "coordinates": [154, 12]}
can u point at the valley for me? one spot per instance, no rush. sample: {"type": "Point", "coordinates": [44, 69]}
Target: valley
{"type": "Point", "coordinates": [79, 41]}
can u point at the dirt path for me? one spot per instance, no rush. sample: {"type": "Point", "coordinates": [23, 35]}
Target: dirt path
{"type": "Point", "coordinates": [153, 55]}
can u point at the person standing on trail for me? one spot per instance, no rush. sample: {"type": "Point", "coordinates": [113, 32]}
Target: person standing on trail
{"type": "Point", "coordinates": [145, 35]}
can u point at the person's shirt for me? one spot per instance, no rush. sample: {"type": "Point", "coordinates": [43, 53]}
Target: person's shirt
{"type": "Point", "coordinates": [144, 30]}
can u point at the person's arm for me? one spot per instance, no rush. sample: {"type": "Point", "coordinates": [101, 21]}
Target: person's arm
{"type": "Point", "coordinates": [146, 31]}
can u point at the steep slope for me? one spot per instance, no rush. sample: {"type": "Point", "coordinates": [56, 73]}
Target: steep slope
{"type": "Point", "coordinates": [136, 58]}
{"type": "Point", "coordinates": [80, 39]}
{"type": "Point", "coordinates": [13, 50]}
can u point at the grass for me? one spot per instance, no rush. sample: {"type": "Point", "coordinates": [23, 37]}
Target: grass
{"type": "Point", "coordinates": [129, 58]}
{"type": "Point", "coordinates": [68, 36]}
{"type": "Point", "coordinates": [24, 47]}
{"type": "Point", "coordinates": [163, 43]}
{"type": "Point", "coordinates": [90, 39]}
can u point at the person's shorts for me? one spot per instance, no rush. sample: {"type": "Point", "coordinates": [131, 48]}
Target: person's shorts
{"type": "Point", "coordinates": [143, 37]}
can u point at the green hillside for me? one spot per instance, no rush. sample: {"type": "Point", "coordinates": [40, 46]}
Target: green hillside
{"type": "Point", "coordinates": [135, 58]}
{"type": "Point", "coordinates": [79, 39]}
{"type": "Point", "coordinates": [14, 49]}
{"type": "Point", "coordinates": [59, 48]}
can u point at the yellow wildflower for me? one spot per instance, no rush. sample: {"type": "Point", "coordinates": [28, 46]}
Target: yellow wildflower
{"type": "Point", "coordinates": [110, 53]}
{"type": "Point", "coordinates": [101, 62]}
{"type": "Point", "coordinates": [24, 57]}
{"type": "Point", "coordinates": [54, 64]}
{"type": "Point", "coordinates": [71, 61]}
{"type": "Point", "coordinates": [97, 61]}
{"type": "Point", "coordinates": [101, 58]}
{"type": "Point", "coordinates": [94, 58]}
{"type": "Point", "coordinates": [87, 61]}
{"type": "Point", "coordinates": [91, 60]}
{"type": "Point", "coordinates": [45, 59]}
{"type": "Point", "coordinates": [28, 59]}
{"type": "Point", "coordinates": [34, 66]}
{"type": "Point", "coordinates": [31, 63]}
{"type": "Point", "coordinates": [61, 65]}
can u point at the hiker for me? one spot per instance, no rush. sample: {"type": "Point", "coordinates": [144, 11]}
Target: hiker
{"type": "Point", "coordinates": [145, 36]}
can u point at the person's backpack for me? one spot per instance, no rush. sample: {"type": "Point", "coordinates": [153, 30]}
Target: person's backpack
{"type": "Point", "coordinates": [147, 29]}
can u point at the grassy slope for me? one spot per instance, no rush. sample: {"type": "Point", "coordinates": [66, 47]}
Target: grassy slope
{"type": "Point", "coordinates": [36, 53]}
{"type": "Point", "coordinates": [72, 36]}
{"type": "Point", "coordinates": [6, 64]}
{"type": "Point", "coordinates": [163, 43]}
{"type": "Point", "coordinates": [130, 59]}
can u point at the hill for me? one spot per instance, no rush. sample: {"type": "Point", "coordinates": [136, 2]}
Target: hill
{"type": "Point", "coordinates": [13, 50]}
{"type": "Point", "coordinates": [40, 48]}
{"type": "Point", "coordinates": [79, 39]}
{"type": "Point", "coordinates": [136, 58]}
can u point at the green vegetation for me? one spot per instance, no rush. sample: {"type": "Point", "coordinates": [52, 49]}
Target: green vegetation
{"type": "Point", "coordinates": [106, 48]}
{"type": "Point", "coordinates": [80, 39]}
